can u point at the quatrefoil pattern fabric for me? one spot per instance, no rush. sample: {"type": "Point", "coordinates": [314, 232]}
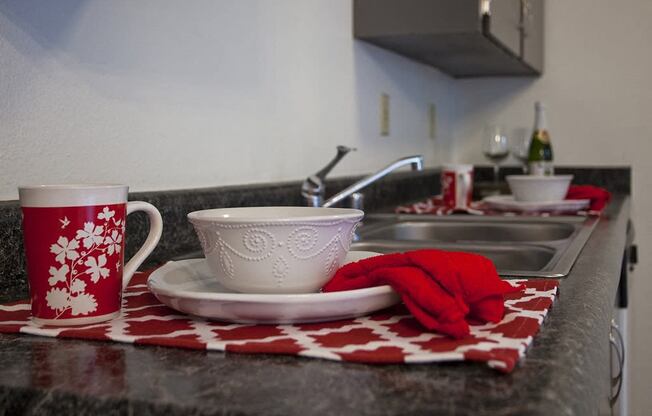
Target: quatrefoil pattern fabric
{"type": "Point", "coordinates": [390, 336]}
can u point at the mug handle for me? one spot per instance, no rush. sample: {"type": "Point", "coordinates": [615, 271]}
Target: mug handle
{"type": "Point", "coordinates": [155, 230]}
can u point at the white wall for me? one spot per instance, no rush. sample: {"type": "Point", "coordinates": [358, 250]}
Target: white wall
{"type": "Point", "coordinates": [597, 85]}
{"type": "Point", "coordinates": [169, 94]}
{"type": "Point", "coordinates": [164, 94]}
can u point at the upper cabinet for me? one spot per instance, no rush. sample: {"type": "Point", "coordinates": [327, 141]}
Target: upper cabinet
{"type": "Point", "coordinates": [464, 38]}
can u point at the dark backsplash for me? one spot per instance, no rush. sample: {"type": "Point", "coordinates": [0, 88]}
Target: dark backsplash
{"type": "Point", "coordinates": [178, 235]}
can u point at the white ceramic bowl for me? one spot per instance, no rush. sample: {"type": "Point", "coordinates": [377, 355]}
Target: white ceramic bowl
{"type": "Point", "coordinates": [532, 188]}
{"type": "Point", "coordinates": [275, 249]}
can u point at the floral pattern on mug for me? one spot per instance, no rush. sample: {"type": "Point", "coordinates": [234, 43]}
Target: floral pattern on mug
{"type": "Point", "coordinates": [80, 259]}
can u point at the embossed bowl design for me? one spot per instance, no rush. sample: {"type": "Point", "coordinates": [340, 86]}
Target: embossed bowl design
{"type": "Point", "coordinates": [275, 249]}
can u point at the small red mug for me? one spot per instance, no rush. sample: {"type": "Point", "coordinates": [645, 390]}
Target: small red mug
{"type": "Point", "coordinates": [457, 185]}
{"type": "Point", "coordinates": [74, 239]}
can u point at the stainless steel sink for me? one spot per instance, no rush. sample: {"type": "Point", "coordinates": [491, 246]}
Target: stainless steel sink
{"type": "Point", "coordinates": [518, 246]}
{"type": "Point", "coordinates": [461, 230]}
{"type": "Point", "coordinates": [504, 257]}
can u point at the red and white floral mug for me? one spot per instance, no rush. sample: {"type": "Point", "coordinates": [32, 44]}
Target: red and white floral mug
{"type": "Point", "coordinates": [74, 243]}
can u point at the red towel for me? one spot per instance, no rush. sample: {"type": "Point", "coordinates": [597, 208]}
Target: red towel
{"type": "Point", "coordinates": [442, 289]}
{"type": "Point", "coordinates": [599, 196]}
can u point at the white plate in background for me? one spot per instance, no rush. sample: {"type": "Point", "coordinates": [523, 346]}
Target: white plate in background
{"type": "Point", "coordinates": [508, 203]}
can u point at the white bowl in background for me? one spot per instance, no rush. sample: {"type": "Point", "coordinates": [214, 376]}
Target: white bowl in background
{"type": "Point", "coordinates": [275, 249]}
{"type": "Point", "coordinates": [532, 188]}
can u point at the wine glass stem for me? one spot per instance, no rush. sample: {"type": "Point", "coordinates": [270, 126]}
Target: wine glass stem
{"type": "Point", "coordinates": [496, 173]}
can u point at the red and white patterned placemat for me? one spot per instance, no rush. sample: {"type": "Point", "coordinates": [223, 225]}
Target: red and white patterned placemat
{"type": "Point", "coordinates": [435, 206]}
{"type": "Point", "coordinates": [389, 336]}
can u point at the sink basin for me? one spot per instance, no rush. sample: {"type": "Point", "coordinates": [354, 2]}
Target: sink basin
{"type": "Point", "coordinates": [453, 231]}
{"type": "Point", "coordinates": [506, 258]}
{"type": "Point", "coordinates": [518, 246]}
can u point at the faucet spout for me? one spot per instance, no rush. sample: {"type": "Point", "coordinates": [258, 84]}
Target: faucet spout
{"type": "Point", "coordinates": [415, 162]}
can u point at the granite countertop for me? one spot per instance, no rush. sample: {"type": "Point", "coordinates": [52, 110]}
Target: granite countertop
{"type": "Point", "coordinates": [558, 376]}
{"type": "Point", "coordinates": [566, 371]}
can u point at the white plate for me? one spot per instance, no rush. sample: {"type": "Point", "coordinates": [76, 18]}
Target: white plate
{"type": "Point", "coordinates": [508, 203]}
{"type": "Point", "coordinates": [189, 287]}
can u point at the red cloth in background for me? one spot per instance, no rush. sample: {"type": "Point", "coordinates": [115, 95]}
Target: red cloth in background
{"type": "Point", "coordinates": [442, 289]}
{"type": "Point", "coordinates": [599, 196]}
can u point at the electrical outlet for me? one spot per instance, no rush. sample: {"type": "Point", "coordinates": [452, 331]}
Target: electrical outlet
{"type": "Point", "coordinates": [384, 114]}
{"type": "Point", "coordinates": [432, 121]}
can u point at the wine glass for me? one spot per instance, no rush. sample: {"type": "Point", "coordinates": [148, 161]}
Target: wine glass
{"type": "Point", "coordinates": [521, 146]}
{"type": "Point", "coordinates": [495, 147]}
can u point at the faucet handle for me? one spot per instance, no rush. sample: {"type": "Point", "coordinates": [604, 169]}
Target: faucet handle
{"type": "Point", "coordinates": [341, 152]}
{"type": "Point", "coordinates": [312, 188]}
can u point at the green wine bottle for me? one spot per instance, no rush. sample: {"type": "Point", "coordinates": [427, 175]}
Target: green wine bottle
{"type": "Point", "coordinates": [540, 153]}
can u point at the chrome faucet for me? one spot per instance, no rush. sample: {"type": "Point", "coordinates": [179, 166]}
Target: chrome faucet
{"type": "Point", "coordinates": [314, 194]}
{"type": "Point", "coordinates": [416, 162]}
